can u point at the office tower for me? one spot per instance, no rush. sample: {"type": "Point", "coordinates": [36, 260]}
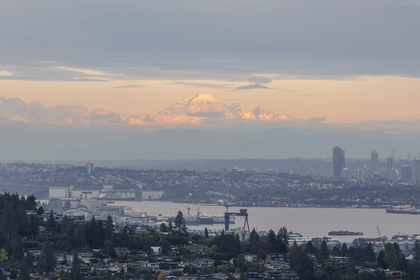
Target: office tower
{"type": "Point", "coordinates": [389, 165]}
{"type": "Point", "coordinates": [89, 167]}
{"type": "Point", "coordinates": [358, 174]}
{"type": "Point", "coordinates": [406, 173]}
{"type": "Point", "coordinates": [339, 161]}
{"type": "Point", "coordinates": [417, 170]}
{"type": "Point", "coordinates": [345, 173]}
{"type": "Point", "coordinates": [394, 175]}
{"type": "Point", "coordinates": [408, 156]}
{"type": "Point", "coordinates": [374, 158]}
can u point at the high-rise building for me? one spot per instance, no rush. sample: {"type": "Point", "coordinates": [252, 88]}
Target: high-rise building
{"type": "Point", "coordinates": [374, 158]}
{"type": "Point", "coordinates": [339, 161]}
{"type": "Point", "coordinates": [358, 174]}
{"type": "Point", "coordinates": [417, 171]}
{"type": "Point", "coordinates": [89, 167]}
{"type": "Point", "coordinates": [345, 173]}
{"type": "Point", "coordinates": [389, 165]}
{"type": "Point", "coordinates": [406, 173]}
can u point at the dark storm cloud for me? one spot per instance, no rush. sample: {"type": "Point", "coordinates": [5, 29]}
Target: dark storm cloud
{"type": "Point", "coordinates": [304, 38]}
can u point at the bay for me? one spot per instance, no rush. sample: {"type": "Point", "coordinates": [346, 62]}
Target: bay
{"type": "Point", "coordinates": [313, 222]}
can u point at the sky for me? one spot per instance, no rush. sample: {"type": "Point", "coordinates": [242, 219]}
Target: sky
{"type": "Point", "coordinates": [347, 63]}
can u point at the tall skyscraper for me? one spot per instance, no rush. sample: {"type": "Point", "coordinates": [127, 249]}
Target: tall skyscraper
{"type": "Point", "coordinates": [417, 171]}
{"type": "Point", "coordinates": [339, 161]}
{"type": "Point", "coordinates": [406, 173]}
{"type": "Point", "coordinates": [389, 166]}
{"type": "Point", "coordinates": [374, 158]}
{"type": "Point", "coordinates": [89, 167]}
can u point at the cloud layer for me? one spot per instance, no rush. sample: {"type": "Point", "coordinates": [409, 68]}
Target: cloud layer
{"type": "Point", "coordinates": [302, 38]}
{"type": "Point", "coordinates": [15, 109]}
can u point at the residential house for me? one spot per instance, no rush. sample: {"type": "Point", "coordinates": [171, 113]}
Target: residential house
{"type": "Point", "coordinates": [157, 250]}
{"type": "Point", "coordinates": [121, 251]}
{"type": "Point", "coordinates": [197, 249]}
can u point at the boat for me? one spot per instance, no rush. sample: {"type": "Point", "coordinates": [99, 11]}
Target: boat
{"type": "Point", "coordinates": [403, 210]}
{"type": "Point", "coordinates": [342, 232]}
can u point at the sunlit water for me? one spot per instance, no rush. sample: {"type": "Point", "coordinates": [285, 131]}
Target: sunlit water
{"type": "Point", "coordinates": [314, 222]}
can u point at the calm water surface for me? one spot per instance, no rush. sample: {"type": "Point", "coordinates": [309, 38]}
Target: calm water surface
{"type": "Point", "coordinates": [314, 222]}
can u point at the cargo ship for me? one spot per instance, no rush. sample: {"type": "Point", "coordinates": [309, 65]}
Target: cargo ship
{"type": "Point", "coordinates": [403, 210]}
{"type": "Point", "coordinates": [342, 232]}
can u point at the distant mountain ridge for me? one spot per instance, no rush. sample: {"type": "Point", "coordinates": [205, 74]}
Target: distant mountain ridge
{"type": "Point", "coordinates": [203, 108]}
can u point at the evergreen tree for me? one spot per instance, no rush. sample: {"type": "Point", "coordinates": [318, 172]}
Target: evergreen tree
{"type": "Point", "coordinates": [51, 224]}
{"type": "Point", "coordinates": [124, 238]}
{"type": "Point", "coordinates": [166, 247]}
{"type": "Point", "coordinates": [311, 249]}
{"type": "Point", "coordinates": [284, 246]}
{"type": "Point", "coordinates": [108, 245]}
{"type": "Point", "coordinates": [335, 252]}
{"type": "Point", "coordinates": [33, 226]}
{"type": "Point", "coordinates": [323, 253]}
{"type": "Point", "coordinates": [344, 250]}
{"type": "Point", "coordinates": [13, 274]}
{"type": "Point", "coordinates": [261, 255]}
{"type": "Point", "coordinates": [272, 241]}
{"type": "Point", "coordinates": [180, 228]}
{"type": "Point", "coordinates": [162, 227]}
{"type": "Point", "coordinates": [65, 225]}
{"type": "Point", "coordinates": [79, 237]}
{"type": "Point", "coordinates": [75, 271]}
{"type": "Point", "coordinates": [390, 258]}
{"type": "Point", "coordinates": [147, 245]}
{"type": "Point", "coordinates": [17, 249]}
{"type": "Point", "coordinates": [370, 253]}
{"type": "Point", "coordinates": [301, 262]}
{"type": "Point", "coordinates": [100, 239]}
{"type": "Point", "coordinates": [170, 228]}
{"type": "Point", "coordinates": [40, 210]}
{"type": "Point", "coordinates": [46, 261]}
{"type": "Point", "coordinates": [206, 233]}
{"type": "Point", "coordinates": [29, 258]}
{"type": "Point", "coordinates": [109, 229]}
{"type": "Point", "coordinates": [30, 203]}
{"type": "Point", "coordinates": [24, 271]}
{"type": "Point", "coordinates": [417, 250]}
{"type": "Point", "coordinates": [1, 275]}
{"type": "Point", "coordinates": [381, 259]}
{"type": "Point", "coordinates": [402, 264]}
{"type": "Point", "coordinates": [254, 242]}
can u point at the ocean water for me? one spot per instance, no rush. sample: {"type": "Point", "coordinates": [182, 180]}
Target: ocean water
{"type": "Point", "coordinates": [313, 222]}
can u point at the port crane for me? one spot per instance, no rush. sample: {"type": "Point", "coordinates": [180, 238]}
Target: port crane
{"type": "Point", "coordinates": [196, 208]}
{"type": "Point", "coordinates": [242, 213]}
{"type": "Point", "coordinates": [186, 207]}
{"type": "Point", "coordinates": [380, 236]}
